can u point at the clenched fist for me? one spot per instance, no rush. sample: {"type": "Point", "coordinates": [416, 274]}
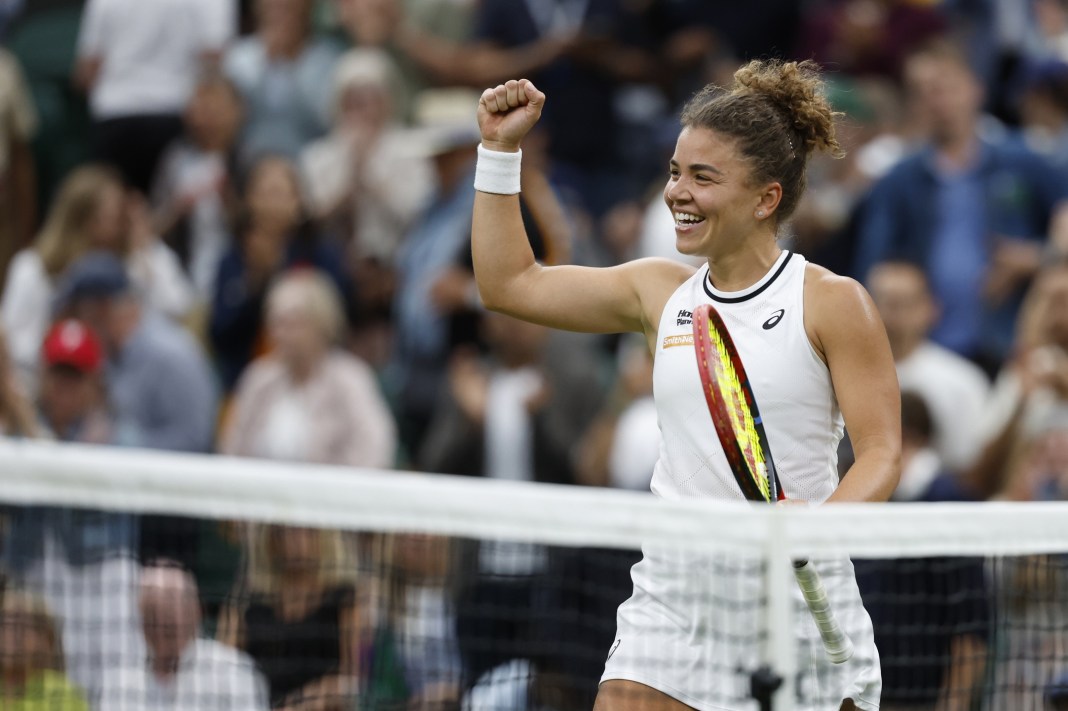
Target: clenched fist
{"type": "Point", "coordinates": [507, 112]}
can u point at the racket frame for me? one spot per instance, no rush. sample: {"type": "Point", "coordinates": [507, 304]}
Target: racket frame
{"type": "Point", "coordinates": [836, 642]}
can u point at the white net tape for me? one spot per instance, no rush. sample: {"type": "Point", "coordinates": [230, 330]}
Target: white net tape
{"type": "Point", "coordinates": [222, 487]}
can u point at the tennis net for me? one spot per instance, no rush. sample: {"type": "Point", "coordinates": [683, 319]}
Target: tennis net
{"type": "Point", "coordinates": [147, 580]}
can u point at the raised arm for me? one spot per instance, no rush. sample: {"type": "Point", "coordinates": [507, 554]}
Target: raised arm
{"type": "Point", "coordinates": [628, 297]}
{"type": "Point", "coordinates": [850, 336]}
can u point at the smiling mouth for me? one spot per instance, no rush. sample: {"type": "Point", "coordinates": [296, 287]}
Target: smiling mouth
{"type": "Point", "coordinates": [685, 219]}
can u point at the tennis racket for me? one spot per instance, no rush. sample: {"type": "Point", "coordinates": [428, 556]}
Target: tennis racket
{"type": "Point", "coordinates": [741, 433]}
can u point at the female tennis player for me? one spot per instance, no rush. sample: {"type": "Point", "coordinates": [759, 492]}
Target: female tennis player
{"type": "Point", "coordinates": [812, 344]}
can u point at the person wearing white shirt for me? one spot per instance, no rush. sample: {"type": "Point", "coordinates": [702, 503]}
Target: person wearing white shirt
{"type": "Point", "coordinates": [954, 388]}
{"type": "Point", "coordinates": [283, 73]}
{"type": "Point", "coordinates": [183, 671]}
{"type": "Point", "coordinates": [139, 62]}
{"type": "Point", "coordinates": [91, 212]}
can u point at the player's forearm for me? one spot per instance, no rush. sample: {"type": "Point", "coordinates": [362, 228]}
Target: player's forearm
{"type": "Point", "coordinates": [873, 476]}
{"type": "Point", "coordinates": [499, 248]}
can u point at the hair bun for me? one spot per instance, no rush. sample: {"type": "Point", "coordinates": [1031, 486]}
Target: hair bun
{"type": "Point", "coordinates": [796, 90]}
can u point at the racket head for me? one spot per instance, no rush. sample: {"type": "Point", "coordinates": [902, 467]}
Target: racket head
{"type": "Point", "coordinates": [733, 407]}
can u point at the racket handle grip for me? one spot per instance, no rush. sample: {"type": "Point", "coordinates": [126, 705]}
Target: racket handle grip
{"type": "Point", "coordinates": [837, 643]}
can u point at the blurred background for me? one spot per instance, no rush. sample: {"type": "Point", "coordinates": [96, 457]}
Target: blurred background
{"type": "Point", "coordinates": [243, 227]}
{"type": "Point", "coordinates": [214, 148]}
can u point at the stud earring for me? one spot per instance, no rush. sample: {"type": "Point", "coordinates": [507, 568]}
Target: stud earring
{"type": "Point", "coordinates": [760, 213]}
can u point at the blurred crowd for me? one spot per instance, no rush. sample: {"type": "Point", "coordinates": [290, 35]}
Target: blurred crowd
{"type": "Point", "coordinates": [243, 227]}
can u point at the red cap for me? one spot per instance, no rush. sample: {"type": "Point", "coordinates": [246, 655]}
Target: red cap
{"type": "Point", "coordinates": [71, 343]}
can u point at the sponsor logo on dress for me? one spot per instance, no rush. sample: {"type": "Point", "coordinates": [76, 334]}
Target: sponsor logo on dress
{"type": "Point", "coordinates": [682, 339]}
{"type": "Point", "coordinates": [774, 320]}
{"type": "Point", "coordinates": [685, 318]}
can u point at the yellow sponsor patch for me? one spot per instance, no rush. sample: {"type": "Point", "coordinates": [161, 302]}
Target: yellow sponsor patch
{"type": "Point", "coordinates": [685, 339]}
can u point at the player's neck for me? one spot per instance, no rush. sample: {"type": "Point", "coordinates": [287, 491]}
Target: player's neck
{"type": "Point", "coordinates": [743, 267]}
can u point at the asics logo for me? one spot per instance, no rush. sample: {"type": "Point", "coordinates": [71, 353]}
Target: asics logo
{"type": "Point", "coordinates": [774, 320]}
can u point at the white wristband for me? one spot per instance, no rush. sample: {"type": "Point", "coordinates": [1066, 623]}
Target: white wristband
{"type": "Point", "coordinates": [497, 171]}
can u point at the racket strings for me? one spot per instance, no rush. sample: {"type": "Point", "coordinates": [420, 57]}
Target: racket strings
{"type": "Point", "coordinates": [742, 422]}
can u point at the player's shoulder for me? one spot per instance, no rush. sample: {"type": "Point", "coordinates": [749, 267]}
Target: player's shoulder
{"type": "Point", "coordinates": [821, 283]}
{"type": "Point", "coordinates": [655, 279]}
{"type": "Point", "coordinates": [833, 299]}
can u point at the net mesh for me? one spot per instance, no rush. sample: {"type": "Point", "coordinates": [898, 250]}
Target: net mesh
{"type": "Point", "coordinates": [136, 580]}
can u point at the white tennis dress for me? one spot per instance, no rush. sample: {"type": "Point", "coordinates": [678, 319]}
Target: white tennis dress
{"type": "Point", "coordinates": [692, 626]}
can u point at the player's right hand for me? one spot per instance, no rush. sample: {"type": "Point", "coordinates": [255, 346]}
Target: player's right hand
{"type": "Point", "coordinates": [507, 112]}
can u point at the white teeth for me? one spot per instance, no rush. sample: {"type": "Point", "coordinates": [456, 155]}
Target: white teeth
{"type": "Point", "coordinates": [686, 217]}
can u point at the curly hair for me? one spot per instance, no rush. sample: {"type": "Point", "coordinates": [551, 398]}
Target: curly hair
{"type": "Point", "coordinates": [777, 115]}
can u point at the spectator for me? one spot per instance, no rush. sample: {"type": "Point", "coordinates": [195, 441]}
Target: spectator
{"type": "Point", "coordinates": [18, 189]}
{"type": "Point", "coordinates": [1043, 99]}
{"type": "Point", "coordinates": [299, 618]}
{"type": "Point", "coordinates": [1051, 19]}
{"type": "Point", "coordinates": [9, 11]}
{"type": "Point", "coordinates": [183, 671]}
{"type": "Point", "coordinates": [309, 400]}
{"type": "Point", "coordinates": [73, 398]}
{"type": "Point", "coordinates": [869, 129]}
{"type": "Point", "coordinates": [158, 380]}
{"type": "Point", "coordinates": [419, 35]}
{"type": "Point", "coordinates": [350, 173]}
{"type": "Point", "coordinates": [280, 72]}
{"type": "Point", "coordinates": [16, 412]}
{"type": "Point", "coordinates": [158, 377]}
{"type": "Point", "coordinates": [436, 299]}
{"type": "Point", "coordinates": [518, 416]}
{"type": "Point", "coordinates": [582, 50]}
{"type": "Point", "coordinates": [1057, 693]}
{"type": "Point", "coordinates": [1031, 614]}
{"type": "Point", "coordinates": [955, 389]}
{"type": "Point", "coordinates": [437, 242]}
{"type": "Point", "coordinates": [923, 211]}
{"type": "Point", "coordinates": [1040, 471]}
{"type": "Point", "coordinates": [931, 616]}
{"type": "Point", "coordinates": [417, 619]}
{"type": "Point", "coordinates": [349, 182]}
{"type": "Point", "coordinates": [622, 446]}
{"type": "Point", "coordinates": [31, 658]}
{"type": "Point", "coordinates": [869, 37]}
{"type": "Point", "coordinates": [139, 62]}
{"type": "Point", "coordinates": [80, 560]}
{"type": "Point", "coordinates": [273, 234]}
{"type": "Point", "coordinates": [569, 49]}
{"type": "Point", "coordinates": [1031, 391]}
{"type": "Point", "coordinates": [91, 212]}
{"type": "Point", "coordinates": [194, 193]}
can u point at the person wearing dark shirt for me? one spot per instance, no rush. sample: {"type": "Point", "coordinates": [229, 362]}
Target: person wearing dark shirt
{"type": "Point", "coordinates": [299, 620]}
{"type": "Point", "coordinates": [274, 235]}
{"type": "Point", "coordinates": [978, 261]}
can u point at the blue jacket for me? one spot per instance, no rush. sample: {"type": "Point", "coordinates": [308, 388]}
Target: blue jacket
{"type": "Point", "coordinates": [899, 217]}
